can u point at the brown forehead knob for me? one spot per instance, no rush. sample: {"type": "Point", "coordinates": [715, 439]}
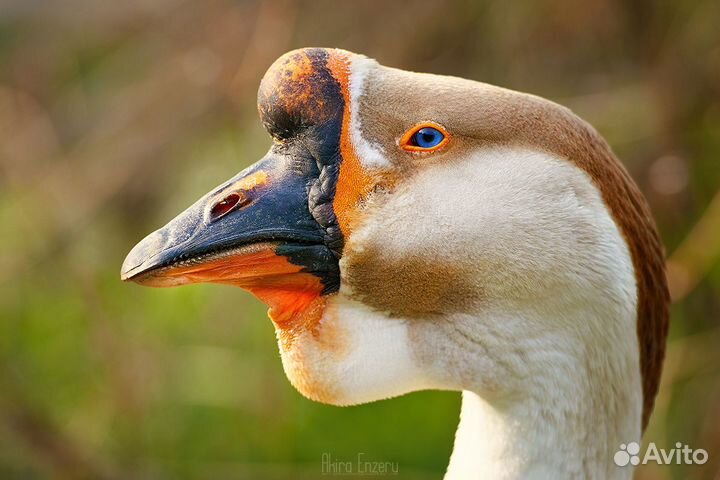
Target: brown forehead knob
{"type": "Point", "coordinates": [298, 91]}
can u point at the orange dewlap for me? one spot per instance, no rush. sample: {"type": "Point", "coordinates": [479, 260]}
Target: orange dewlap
{"type": "Point", "coordinates": [353, 183]}
{"type": "Point", "coordinates": [294, 297]}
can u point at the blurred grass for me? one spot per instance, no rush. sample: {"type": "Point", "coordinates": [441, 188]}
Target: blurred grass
{"type": "Point", "coordinates": [116, 116]}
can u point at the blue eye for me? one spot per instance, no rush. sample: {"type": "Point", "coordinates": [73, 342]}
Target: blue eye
{"type": "Point", "coordinates": [427, 137]}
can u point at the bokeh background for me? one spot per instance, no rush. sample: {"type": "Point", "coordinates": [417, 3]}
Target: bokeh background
{"type": "Point", "coordinates": [115, 116]}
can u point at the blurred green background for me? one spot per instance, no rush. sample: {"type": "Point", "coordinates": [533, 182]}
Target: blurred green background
{"type": "Point", "coordinates": [115, 116]}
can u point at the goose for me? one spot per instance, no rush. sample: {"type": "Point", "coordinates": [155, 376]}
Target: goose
{"type": "Point", "coordinates": [412, 231]}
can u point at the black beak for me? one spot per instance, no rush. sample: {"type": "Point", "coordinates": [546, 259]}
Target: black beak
{"type": "Point", "coordinates": [276, 219]}
{"type": "Point", "coordinates": [267, 204]}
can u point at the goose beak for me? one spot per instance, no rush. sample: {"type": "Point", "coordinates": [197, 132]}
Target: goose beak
{"type": "Point", "coordinates": [254, 231]}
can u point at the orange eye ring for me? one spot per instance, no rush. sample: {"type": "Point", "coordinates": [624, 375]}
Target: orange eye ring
{"type": "Point", "coordinates": [408, 143]}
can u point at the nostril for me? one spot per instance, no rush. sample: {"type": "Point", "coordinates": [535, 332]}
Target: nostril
{"type": "Point", "coordinates": [227, 205]}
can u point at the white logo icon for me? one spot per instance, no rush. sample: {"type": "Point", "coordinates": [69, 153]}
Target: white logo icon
{"type": "Point", "coordinates": [627, 454]}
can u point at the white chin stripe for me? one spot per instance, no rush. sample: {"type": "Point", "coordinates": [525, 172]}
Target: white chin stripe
{"type": "Point", "coordinates": [370, 154]}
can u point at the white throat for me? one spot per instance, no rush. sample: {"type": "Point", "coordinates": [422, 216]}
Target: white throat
{"type": "Point", "coordinates": [576, 399]}
{"type": "Point", "coordinates": [519, 441]}
{"type": "Point", "coordinates": [567, 423]}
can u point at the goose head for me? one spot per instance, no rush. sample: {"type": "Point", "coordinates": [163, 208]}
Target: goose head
{"type": "Point", "coordinates": [413, 231]}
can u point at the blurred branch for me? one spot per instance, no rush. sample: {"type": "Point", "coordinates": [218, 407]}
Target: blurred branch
{"type": "Point", "coordinates": [690, 357]}
{"type": "Point", "coordinates": [697, 254]}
